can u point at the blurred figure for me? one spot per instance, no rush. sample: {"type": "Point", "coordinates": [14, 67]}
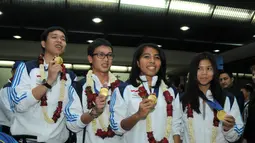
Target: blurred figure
{"type": "Point", "coordinates": [6, 105]}
{"type": "Point", "coordinates": [249, 132]}
{"type": "Point", "coordinates": [247, 91]}
{"type": "Point", "coordinates": [227, 82]}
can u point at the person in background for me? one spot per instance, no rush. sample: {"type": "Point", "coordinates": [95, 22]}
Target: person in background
{"type": "Point", "coordinates": [6, 104]}
{"type": "Point", "coordinates": [227, 83]}
{"type": "Point", "coordinates": [247, 91]}
{"type": "Point", "coordinates": [249, 131]}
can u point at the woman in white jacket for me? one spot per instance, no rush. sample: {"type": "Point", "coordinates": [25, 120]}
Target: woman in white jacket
{"type": "Point", "coordinates": [144, 110]}
{"type": "Point", "coordinates": [209, 116]}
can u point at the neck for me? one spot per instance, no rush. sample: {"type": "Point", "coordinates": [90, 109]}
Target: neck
{"type": "Point", "coordinates": [149, 79]}
{"type": "Point", "coordinates": [103, 77]}
{"type": "Point", "coordinates": [246, 99]}
{"type": "Point", "coordinates": [204, 88]}
{"type": "Point", "coordinates": [48, 57]}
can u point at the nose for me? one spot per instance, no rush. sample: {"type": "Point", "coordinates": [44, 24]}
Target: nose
{"type": "Point", "coordinates": [152, 60]}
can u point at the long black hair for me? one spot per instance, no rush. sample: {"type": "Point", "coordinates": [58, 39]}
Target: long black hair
{"type": "Point", "coordinates": [136, 71]}
{"type": "Point", "coordinates": [193, 92]}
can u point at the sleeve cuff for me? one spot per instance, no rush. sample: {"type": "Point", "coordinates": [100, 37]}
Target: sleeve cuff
{"type": "Point", "coordinates": [80, 123]}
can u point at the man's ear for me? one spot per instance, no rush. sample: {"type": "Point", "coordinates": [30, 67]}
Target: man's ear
{"type": "Point", "coordinates": [43, 44]}
{"type": "Point", "coordinates": [232, 79]}
{"type": "Point", "coordinates": [90, 59]}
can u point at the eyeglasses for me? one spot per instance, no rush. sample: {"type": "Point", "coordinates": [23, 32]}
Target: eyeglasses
{"type": "Point", "coordinates": [110, 56]}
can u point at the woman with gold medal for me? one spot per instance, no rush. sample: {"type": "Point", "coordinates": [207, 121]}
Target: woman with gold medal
{"type": "Point", "coordinates": [144, 110]}
{"type": "Point", "coordinates": [208, 115]}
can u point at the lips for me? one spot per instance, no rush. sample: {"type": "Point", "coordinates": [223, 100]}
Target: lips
{"type": "Point", "coordinates": [58, 46]}
{"type": "Point", "coordinates": [105, 65]}
{"type": "Point", "coordinates": [151, 67]}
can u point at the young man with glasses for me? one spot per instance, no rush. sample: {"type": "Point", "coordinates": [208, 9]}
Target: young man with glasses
{"type": "Point", "coordinates": [95, 104]}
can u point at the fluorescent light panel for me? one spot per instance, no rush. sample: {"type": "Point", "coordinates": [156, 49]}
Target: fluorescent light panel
{"type": "Point", "coordinates": [192, 8]}
{"type": "Point", "coordinates": [68, 66]}
{"type": "Point", "coordinates": [81, 67]}
{"type": "Point", "coordinates": [119, 68]}
{"type": "Point", "coordinates": [148, 3]}
{"type": "Point", "coordinates": [6, 63]}
{"type": "Point", "coordinates": [232, 13]}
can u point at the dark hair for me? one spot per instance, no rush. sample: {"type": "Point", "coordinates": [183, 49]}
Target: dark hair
{"type": "Point", "coordinates": [193, 92]}
{"type": "Point", "coordinates": [226, 72]}
{"type": "Point", "coordinates": [136, 71]}
{"type": "Point", "coordinates": [248, 88]}
{"type": "Point", "coordinates": [46, 32]}
{"type": "Point", "coordinates": [96, 43]}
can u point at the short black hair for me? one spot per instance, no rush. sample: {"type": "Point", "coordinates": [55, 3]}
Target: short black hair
{"type": "Point", "coordinates": [46, 32]}
{"type": "Point", "coordinates": [96, 43]}
{"type": "Point", "coordinates": [248, 87]}
{"type": "Point", "coordinates": [226, 72]}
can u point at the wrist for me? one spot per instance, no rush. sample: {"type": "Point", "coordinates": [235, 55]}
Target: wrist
{"type": "Point", "coordinates": [46, 84]}
{"type": "Point", "coordinates": [93, 113]}
{"type": "Point", "coordinates": [50, 82]}
{"type": "Point", "coordinates": [137, 116]}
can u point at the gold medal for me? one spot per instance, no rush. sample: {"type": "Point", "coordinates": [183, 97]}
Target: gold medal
{"type": "Point", "coordinates": [153, 98]}
{"type": "Point", "coordinates": [221, 114]}
{"type": "Point", "coordinates": [104, 91]}
{"type": "Point", "coordinates": [58, 60]}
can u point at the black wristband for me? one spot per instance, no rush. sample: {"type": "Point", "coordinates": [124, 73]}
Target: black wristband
{"type": "Point", "coordinates": [47, 85]}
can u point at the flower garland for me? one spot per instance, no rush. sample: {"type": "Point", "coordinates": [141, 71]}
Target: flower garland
{"type": "Point", "coordinates": [91, 97]}
{"type": "Point", "coordinates": [44, 103]}
{"type": "Point", "coordinates": [190, 125]}
{"type": "Point", "coordinates": [169, 99]}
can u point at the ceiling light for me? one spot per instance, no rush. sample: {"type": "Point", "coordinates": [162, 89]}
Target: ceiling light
{"type": "Point", "coordinates": [232, 13]}
{"type": "Point", "coordinates": [149, 3]}
{"type": "Point", "coordinates": [97, 20]}
{"type": "Point", "coordinates": [90, 41]}
{"type": "Point", "coordinates": [119, 68]}
{"type": "Point", "coordinates": [216, 51]}
{"type": "Point", "coordinates": [190, 7]}
{"type": "Point", "coordinates": [184, 28]}
{"type": "Point", "coordinates": [1, 12]}
{"type": "Point", "coordinates": [81, 67]}
{"type": "Point", "coordinates": [6, 63]}
{"type": "Point", "coordinates": [159, 46]}
{"type": "Point", "coordinates": [253, 36]}
{"type": "Point", "coordinates": [17, 37]}
{"type": "Point", "coordinates": [68, 66]}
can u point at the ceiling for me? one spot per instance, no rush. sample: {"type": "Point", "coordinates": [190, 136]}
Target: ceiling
{"type": "Point", "coordinates": [126, 25]}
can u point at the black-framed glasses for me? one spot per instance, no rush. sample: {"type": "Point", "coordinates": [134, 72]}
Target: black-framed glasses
{"type": "Point", "coordinates": [110, 56]}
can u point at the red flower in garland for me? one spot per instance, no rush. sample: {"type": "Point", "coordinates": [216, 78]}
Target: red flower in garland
{"type": "Point", "coordinates": [103, 134]}
{"type": "Point", "coordinates": [142, 92]}
{"type": "Point", "coordinates": [91, 97]}
{"type": "Point", "coordinates": [115, 84]}
{"type": "Point", "coordinates": [215, 119]}
{"type": "Point", "coordinates": [190, 111]}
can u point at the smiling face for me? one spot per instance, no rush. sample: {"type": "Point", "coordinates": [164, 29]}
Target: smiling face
{"type": "Point", "coordinates": [204, 72]}
{"type": "Point", "coordinates": [98, 64]}
{"type": "Point", "coordinates": [55, 43]}
{"type": "Point", "coordinates": [149, 62]}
